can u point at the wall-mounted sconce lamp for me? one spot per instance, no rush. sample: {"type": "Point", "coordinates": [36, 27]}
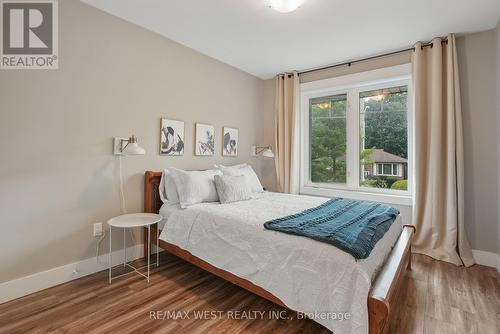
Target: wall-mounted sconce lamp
{"type": "Point", "coordinates": [123, 146]}
{"type": "Point", "coordinates": [265, 151]}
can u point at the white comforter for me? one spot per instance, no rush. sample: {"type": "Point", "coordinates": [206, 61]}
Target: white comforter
{"type": "Point", "coordinates": [307, 275]}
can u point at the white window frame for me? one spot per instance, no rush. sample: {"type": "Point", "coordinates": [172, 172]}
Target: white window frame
{"type": "Point", "coordinates": [352, 85]}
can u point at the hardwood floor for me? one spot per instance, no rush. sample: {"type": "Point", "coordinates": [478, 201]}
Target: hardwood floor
{"type": "Point", "coordinates": [437, 298]}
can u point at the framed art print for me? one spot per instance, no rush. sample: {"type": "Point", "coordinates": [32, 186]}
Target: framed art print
{"type": "Point", "coordinates": [204, 139]}
{"type": "Point", "coordinates": [229, 142]}
{"type": "Point", "coordinates": [171, 137]}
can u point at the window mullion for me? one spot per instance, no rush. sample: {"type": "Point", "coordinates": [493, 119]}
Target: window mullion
{"type": "Point", "coordinates": [352, 139]}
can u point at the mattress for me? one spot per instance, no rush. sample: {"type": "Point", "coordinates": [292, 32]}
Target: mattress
{"type": "Point", "coordinates": [309, 276]}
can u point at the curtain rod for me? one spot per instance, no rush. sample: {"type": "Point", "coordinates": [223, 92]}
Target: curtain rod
{"type": "Point", "coordinates": [349, 63]}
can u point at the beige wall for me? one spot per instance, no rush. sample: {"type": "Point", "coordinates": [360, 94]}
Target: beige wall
{"type": "Point", "coordinates": [268, 168]}
{"type": "Point", "coordinates": [477, 63]}
{"type": "Point", "coordinates": [497, 138]}
{"type": "Point", "coordinates": [393, 60]}
{"type": "Point", "coordinates": [57, 174]}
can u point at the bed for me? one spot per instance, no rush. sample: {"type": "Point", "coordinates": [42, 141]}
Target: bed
{"type": "Point", "coordinates": [204, 234]}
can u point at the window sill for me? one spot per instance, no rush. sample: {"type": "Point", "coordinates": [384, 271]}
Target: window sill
{"type": "Point", "coordinates": [359, 195]}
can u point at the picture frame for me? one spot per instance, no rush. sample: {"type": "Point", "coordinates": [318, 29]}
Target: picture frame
{"type": "Point", "coordinates": [171, 137]}
{"type": "Point", "coordinates": [204, 143]}
{"type": "Point", "coordinates": [230, 141]}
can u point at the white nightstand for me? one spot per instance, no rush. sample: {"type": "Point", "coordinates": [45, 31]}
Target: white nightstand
{"type": "Point", "coordinates": [130, 221]}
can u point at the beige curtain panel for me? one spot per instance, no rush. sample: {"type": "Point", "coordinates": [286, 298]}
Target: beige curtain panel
{"type": "Point", "coordinates": [439, 163]}
{"type": "Point", "coordinates": [286, 132]}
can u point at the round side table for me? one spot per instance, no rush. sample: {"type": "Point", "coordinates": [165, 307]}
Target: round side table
{"type": "Point", "coordinates": [133, 220]}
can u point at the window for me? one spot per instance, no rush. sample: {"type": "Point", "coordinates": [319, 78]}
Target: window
{"type": "Point", "coordinates": [356, 132]}
{"type": "Point", "coordinates": [328, 138]}
{"type": "Point", "coordinates": [395, 169]}
{"type": "Point", "coordinates": [383, 170]}
{"type": "Point", "coordinates": [384, 136]}
{"type": "Point", "coordinates": [387, 169]}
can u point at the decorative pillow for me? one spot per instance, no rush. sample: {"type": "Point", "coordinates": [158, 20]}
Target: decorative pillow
{"type": "Point", "coordinates": [168, 189]}
{"type": "Point", "coordinates": [232, 188]}
{"type": "Point", "coordinates": [195, 186]}
{"type": "Point", "coordinates": [249, 174]}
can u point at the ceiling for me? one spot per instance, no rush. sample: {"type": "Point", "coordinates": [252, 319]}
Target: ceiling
{"type": "Point", "coordinates": [247, 34]}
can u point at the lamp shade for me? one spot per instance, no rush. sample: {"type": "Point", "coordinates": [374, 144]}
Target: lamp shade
{"type": "Point", "coordinates": [133, 149]}
{"type": "Point", "coordinates": [268, 153]}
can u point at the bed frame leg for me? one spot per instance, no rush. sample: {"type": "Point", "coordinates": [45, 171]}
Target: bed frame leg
{"type": "Point", "coordinates": [409, 259]}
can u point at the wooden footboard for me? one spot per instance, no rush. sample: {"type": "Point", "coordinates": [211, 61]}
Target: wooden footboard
{"type": "Point", "coordinates": [381, 298]}
{"type": "Point", "coordinates": [386, 287]}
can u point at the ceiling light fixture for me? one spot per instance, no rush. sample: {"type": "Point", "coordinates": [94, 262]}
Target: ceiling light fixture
{"type": "Point", "coordinates": [285, 6]}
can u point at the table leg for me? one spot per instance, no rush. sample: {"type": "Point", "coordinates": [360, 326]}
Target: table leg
{"type": "Point", "coordinates": [149, 247]}
{"type": "Point", "coordinates": [109, 255]}
{"type": "Point", "coordinates": [124, 249]}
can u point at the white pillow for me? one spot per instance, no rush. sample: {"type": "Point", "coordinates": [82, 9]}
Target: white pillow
{"type": "Point", "coordinates": [234, 166]}
{"type": "Point", "coordinates": [247, 171]}
{"type": "Point", "coordinates": [195, 186]}
{"type": "Point", "coordinates": [168, 189]}
{"type": "Point", "coordinates": [232, 188]}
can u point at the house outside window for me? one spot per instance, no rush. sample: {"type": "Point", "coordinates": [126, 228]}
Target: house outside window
{"type": "Point", "coordinates": [356, 135]}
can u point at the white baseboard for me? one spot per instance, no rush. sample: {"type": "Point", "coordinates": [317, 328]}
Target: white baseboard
{"type": "Point", "coordinates": [39, 281]}
{"type": "Point", "coordinates": [487, 258]}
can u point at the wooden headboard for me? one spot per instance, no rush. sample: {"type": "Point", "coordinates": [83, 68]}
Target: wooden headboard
{"type": "Point", "coordinates": [152, 200]}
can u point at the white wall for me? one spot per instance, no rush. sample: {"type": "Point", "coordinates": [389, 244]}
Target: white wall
{"type": "Point", "coordinates": [57, 174]}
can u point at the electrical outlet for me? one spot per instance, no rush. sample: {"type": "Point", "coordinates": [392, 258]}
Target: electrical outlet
{"type": "Point", "coordinates": [97, 229]}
